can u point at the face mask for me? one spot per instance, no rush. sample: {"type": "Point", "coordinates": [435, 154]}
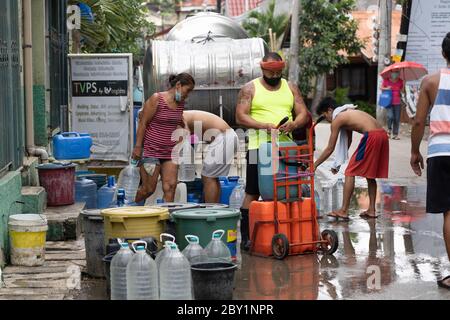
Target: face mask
{"type": "Point", "coordinates": [177, 96]}
{"type": "Point", "coordinates": [273, 82]}
{"type": "Point", "coordinates": [394, 75]}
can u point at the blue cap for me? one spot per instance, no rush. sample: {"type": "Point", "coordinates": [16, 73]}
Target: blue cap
{"type": "Point", "coordinates": [140, 248]}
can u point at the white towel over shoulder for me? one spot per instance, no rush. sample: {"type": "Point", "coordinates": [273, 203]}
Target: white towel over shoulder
{"type": "Point", "coordinates": [341, 154]}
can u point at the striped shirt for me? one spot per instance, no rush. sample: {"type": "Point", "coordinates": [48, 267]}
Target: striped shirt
{"type": "Point", "coordinates": [439, 141]}
{"type": "Point", "coordinates": [158, 141]}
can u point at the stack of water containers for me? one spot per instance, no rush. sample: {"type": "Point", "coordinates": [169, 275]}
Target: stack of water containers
{"type": "Point", "coordinates": [136, 276]}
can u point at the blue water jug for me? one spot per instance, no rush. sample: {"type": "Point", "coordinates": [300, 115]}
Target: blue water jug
{"type": "Point", "coordinates": [86, 191]}
{"type": "Point", "coordinates": [265, 172]}
{"type": "Point", "coordinates": [385, 98]}
{"type": "Point", "coordinates": [227, 185]}
{"type": "Point", "coordinates": [72, 145]}
{"type": "Point", "coordinates": [105, 194]}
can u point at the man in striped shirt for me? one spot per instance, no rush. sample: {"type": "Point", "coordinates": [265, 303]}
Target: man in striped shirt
{"type": "Point", "coordinates": [435, 95]}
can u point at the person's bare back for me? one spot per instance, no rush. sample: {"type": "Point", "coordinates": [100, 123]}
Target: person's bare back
{"type": "Point", "coordinates": [207, 119]}
{"type": "Point", "coordinates": [356, 120]}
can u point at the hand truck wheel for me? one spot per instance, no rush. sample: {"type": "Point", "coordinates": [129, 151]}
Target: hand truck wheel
{"type": "Point", "coordinates": [332, 242]}
{"type": "Point", "coordinates": [280, 246]}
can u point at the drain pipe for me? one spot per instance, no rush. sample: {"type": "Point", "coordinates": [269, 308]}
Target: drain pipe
{"type": "Point", "coordinates": [28, 79]}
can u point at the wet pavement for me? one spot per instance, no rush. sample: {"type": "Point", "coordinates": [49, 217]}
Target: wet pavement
{"type": "Point", "coordinates": [404, 246]}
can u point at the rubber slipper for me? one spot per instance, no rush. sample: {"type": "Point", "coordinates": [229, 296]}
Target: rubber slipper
{"type": "Point", "coordinates": [332, 215]}
{"type": "Point", "coordinates": [365, 215]}
{"type": "Point", "coordinates": [337, 216]}
{"type": "Point", "coordinates": [442, 284]}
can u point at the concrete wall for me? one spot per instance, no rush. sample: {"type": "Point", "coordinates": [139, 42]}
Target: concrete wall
{"type": "Point", "coordinates": [41, 101]}
{"type": "Point", "coordinates": [10, 192]}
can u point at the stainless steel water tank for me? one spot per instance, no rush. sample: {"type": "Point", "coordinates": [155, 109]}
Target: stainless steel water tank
{"type": "Point", "coordinates": [221, 62]}
{"type": "Point", "coordinates": [204, 22]}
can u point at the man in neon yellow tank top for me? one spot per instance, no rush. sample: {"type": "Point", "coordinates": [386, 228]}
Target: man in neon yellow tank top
{"type": "Point", "coordinates": [262, 104]}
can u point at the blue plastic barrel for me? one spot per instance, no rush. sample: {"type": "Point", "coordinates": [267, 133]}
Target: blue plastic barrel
{"type": "Point", "coordinates": [105, 195]}
{"type": "Point", "coordinates": [86, 191]}
{"type": "Point", "coordinates": [265, 172]}
{"type": "Point", "coordinates": [227, 185]}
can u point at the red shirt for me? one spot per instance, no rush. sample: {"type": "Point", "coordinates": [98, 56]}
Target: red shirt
{"type": "Point", "coordinates": [396, 88]}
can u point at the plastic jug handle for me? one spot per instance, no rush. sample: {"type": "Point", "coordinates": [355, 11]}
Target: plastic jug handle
{"type": "Point", "coordinates": [169, 244]}
{"type": "Point", "coordinates": [217, 232]}
{"type": "Point", "coordinates": [139, 242]}
{"type": "Point", "coordinates": [192, 239]}
{"type": "Point", "coordinates": [68, 134]}
{"type": "Point", "coordinates": [167, 235]}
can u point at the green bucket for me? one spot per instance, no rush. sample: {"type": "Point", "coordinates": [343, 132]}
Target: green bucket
{"type": "Point", "coordinates": [203, 222]}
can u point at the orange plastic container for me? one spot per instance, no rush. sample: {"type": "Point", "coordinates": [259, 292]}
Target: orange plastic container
{"type": "Point", "coordinates": [296, 232]}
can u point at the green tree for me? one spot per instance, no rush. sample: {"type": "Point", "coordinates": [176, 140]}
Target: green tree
{"type": "Point", "coordinates": [327, 34]}
{"type": "Point", "coordinates": [258, 23]}
{"type": "Point", "coordinates": [119, 26]}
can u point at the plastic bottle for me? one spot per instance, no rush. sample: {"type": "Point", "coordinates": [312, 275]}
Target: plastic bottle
{"type": "Point", "coordinates": [327, 197]}
{"type": "Point", "coordinates": [317, 201]}
{"type": "Point", "coordinates": [339, 195]}
{"type": "Point", "coordinates": [86, 191]}
{"type": "Point", "coordinates": [119, 272]}
{"type": "Point", "coordinates": [216, 249]}
{"type": "Point", "coordinates": [186, 170]}
{"type": "Point", "coordinates": [194, 251]}
{"type": "Point", "coordinates": [163, 252]}
{"type": "Point", "coordinates": [105, 194]}
{"type": "Point", "coordinates": [175, 275]}
{"type": "Point", "coordinates": [121, 200]}
{"type": "Point", "coordinates": [237, 195]}
{"type": "Point", "coordinates": [142, 275]}
{"type": "Point", "coordinates": [129, 179]}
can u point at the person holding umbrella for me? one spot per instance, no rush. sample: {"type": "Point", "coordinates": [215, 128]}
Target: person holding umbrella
{"type": "Point", "coordinates": [396, 85]}
{"type": "Point", "coordinates": [395, 77]}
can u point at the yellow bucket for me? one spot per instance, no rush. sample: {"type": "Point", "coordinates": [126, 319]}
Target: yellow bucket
{"type": "Point", "coordinates": [27, 233]}
{"type": "Point", "coordinates": [134, 222]}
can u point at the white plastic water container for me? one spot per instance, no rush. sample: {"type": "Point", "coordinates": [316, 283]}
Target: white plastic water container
{"type": "Point", "coordinates": [327, 201]}
{"type": "Point", "coordinates": [186, 169]}
{"type": "Point", "coordinates": [338, 193]}
{"type": "Point", "coordinates": [175, 275]}
{"type": "Point", "coordinates": [163, 253]}
{"type": "Point", "coordinates": [217, 249]}
{"type": "Point", "coordinates": [118, 271]}
{"type": "Point", "coordinates": [237, 195]}
{"type": "Point", "coordinates": [194, 251]}
{"type": "Point", "coordinates": [142, 275]}
{"type": "Point", "coordinates": [129, 179]}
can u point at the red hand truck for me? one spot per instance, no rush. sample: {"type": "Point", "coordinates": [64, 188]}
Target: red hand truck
{"type": "Point", "coordinates": [302, 158]}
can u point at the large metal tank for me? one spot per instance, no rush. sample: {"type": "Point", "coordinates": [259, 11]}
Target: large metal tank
{"type": "Point", "coordinates": [204, 22]}
{"type": "Point", "coordinates": [220, 64]}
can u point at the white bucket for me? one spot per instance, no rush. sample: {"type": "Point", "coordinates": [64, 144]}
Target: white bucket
{"type": "Point", "coordinates": [27, 233]}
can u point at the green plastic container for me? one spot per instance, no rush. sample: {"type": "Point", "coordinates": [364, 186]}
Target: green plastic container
{"type": "Point", "coordinates": [203, 222]}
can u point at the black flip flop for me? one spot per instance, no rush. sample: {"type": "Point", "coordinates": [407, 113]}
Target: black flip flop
{"type": "Point", "coordinates": [337, 217]}
{"type": "Point", "coordinates": [368, 216]}
{"type": "Point", "coordinates": [442, 284]}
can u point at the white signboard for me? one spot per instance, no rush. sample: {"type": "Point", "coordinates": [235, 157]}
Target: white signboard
{"type": "Point", "coordinates": [101, 87]}
{"type": "Point", "coordinates": [429, 23]}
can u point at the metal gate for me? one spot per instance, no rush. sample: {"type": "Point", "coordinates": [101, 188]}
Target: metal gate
{"type": "Point", "coordinates": [58, 45]}
{"type": "Point", "coordinates": [11, 98]}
